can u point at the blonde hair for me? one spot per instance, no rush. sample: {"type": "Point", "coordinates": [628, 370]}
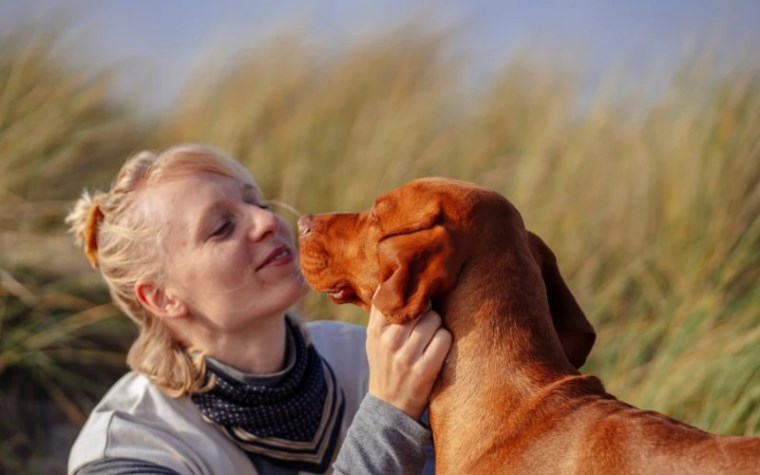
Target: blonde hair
{"type": "Point", "coordinates": [120, 242]}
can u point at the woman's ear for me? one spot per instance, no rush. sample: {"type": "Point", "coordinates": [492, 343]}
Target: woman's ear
{"type": "Point", "coordinates": [158, 301]}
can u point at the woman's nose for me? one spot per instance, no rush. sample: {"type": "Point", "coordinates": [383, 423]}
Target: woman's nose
{"type": "Point", "coordinates": [264, 223]}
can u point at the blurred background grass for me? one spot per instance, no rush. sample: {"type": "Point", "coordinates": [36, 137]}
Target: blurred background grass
{"type": "Point", "coordinates": [652, 204]}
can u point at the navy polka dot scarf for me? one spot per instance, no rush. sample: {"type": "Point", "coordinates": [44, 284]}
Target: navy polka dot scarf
{"type": "Point", "coordinates": [294, 423]}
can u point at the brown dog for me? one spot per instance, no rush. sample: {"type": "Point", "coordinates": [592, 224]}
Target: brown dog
{"type": "Point", "coordinates": [509, 398]}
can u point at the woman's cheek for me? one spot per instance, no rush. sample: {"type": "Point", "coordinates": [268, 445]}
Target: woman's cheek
{"type": "Point", "coordinates": [285, 231]}
{"type": "Point", "coordinates": [231, 267]}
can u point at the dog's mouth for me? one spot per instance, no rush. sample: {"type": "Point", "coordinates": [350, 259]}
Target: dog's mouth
{"type": "Point", "coordinates": [341, 294]}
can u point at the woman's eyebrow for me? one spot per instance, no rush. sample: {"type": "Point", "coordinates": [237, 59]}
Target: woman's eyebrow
{"type": "Point", "coordinates": [207, 213]}
{"type": "Point", "coordinates": [202, 223]}
{"type": "Point", "coordinates": [248, 188]}
{"type": "Point", "coordinates": [205, 217]}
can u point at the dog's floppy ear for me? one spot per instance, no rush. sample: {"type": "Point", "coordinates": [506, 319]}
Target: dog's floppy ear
{"type": "Point", "coordinates": [414, 254]}
{"type": "Point", "coordinates": [575, 332]}
{"type": "Point", "coordinates": [414, 267]}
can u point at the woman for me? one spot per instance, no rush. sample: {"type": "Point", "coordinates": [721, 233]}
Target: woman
{"type": "Point", "coordinates": [224, 378]}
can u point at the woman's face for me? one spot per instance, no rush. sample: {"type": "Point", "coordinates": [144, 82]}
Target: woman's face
{"type": "Point", "coordinates": [228, 258]}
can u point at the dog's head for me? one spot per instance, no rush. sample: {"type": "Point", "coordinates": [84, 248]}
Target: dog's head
{"type": "Point", "coordinates": [409, 249]}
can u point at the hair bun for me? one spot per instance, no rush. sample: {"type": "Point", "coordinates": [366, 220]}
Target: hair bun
{"type": "Point", "coordinates": [94, 218]}
{"type": "Point", "coordinates": [84, 221]}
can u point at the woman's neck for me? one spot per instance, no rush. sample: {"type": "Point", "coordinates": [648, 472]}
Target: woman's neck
{"type": "Point", "coordinates": [257, 349]}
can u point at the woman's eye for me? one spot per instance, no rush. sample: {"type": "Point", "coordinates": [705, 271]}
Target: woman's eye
{"type": "Point", "coordinates": [262, 205]}
{"type": "Point", "coordinates": [224, 230]}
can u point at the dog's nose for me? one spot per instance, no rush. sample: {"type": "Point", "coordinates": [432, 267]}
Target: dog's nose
{"type": "Point", "coordinates": [304, 225]}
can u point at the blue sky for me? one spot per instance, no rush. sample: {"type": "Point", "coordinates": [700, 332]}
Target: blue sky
{"type": "Point", "coordinates": [157, 43]}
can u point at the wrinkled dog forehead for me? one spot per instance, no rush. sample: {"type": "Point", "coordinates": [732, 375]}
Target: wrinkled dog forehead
{"type": "Point", "coordinates": [423, 187]}
{"type": "Point", "coordinates": [425, 202]}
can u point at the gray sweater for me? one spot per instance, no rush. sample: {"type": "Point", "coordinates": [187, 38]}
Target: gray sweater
{"type": "Point", "coordinates": [137, 429]}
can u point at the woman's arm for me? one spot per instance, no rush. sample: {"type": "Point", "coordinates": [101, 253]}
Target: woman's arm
{"type": "Point", "coordinates": [404, 361]}
{"type": "Point", "coordinates": [381, 440]}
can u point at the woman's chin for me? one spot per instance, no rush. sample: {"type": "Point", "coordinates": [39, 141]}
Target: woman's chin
{"type": "Point", "coordinates": [296, 289]}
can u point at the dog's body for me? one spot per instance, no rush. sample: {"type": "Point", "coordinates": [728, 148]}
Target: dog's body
{"type": "Point", "coordinates": [509, 397]}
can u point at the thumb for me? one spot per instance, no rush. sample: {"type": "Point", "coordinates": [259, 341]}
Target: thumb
{"type": "Point", "coordinates": [377, 320]}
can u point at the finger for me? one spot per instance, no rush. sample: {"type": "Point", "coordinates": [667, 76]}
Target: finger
{"type": "Point", "coordinates": [423, 331]}
{"type": "Point", "coordinates": [376, 318]}
{"type": "Point", "coordinates": [388, 335]}
{"type": "Point", "coordinates": [395, 336]}
{"type": "Point", "coordinates": [411, 342]}
{"type": "Point", "coordinates": [437, 350]}
{"type": "Point", "coordinates": [377, 321]}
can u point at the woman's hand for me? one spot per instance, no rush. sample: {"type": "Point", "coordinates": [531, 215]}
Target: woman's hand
{"type": "Point", "coordinates": [404, 360]}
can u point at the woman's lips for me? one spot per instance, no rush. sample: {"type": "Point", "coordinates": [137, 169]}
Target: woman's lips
{"type": "Point", "coordinates": [280, 256]}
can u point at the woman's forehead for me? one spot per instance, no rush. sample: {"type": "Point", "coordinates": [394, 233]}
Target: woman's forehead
{"type": "Point", "coordinates": [188, 197]}
{"type": "Point", "coordinates": [205, 185]}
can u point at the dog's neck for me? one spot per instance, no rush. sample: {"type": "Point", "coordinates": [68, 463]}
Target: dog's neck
{"type": "Point", "coordinates": [505, 354]}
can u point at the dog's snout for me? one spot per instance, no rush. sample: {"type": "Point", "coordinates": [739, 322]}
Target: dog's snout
{"type": "Point", "coordinates": [304, 225]}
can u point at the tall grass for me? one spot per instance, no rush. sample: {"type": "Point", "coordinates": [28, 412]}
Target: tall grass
{"type": "Point", "coordinates": [653, 208]}
{"type": "Point", "coordinates": [59, 342]}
